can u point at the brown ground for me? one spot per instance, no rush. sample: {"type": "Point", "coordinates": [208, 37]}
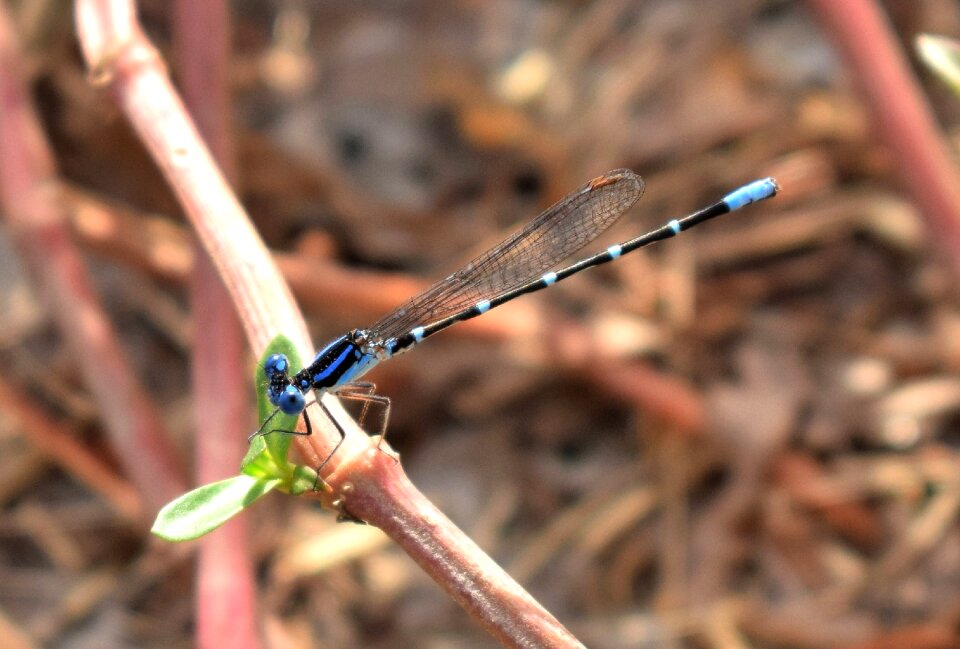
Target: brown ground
{"type": "Point", "coordinates": [746, 437]}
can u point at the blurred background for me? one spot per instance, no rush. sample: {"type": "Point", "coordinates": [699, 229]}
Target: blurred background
{"type": "Point", "coordinates": [745, 437]}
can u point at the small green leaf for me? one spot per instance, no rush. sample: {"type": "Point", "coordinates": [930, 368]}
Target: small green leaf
{"type": "Point", "coordinates": [204, 509]}
{"type": "Point", "coordinates": [942, 55]}
{"type": "Point", "coordinates": [276, 444]}
{"type": "Point", "coordinates": [263, 466]}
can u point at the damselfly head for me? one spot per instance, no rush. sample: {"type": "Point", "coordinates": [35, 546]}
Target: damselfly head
{"type": "Point", "coordinates": [281, 393]}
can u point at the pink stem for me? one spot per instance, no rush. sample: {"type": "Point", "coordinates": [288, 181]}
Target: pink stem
{"type": "Point", "coordinates": [452, 559]}
{"type": "Point", "coordinates": [226, 585]}
{"type": "Point", "coordinates": [29, 192]}
{"type": "Point", "coordinates": [120, 56]}
{"type": "Point", "coordinates": [903, 117]}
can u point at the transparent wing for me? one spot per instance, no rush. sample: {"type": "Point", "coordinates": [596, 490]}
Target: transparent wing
{"type": "Point", "coordinates": [558, 232]}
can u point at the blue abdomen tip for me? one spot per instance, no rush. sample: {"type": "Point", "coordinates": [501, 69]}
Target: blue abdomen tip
{"type": "Point", "coordinates": [758, 190]}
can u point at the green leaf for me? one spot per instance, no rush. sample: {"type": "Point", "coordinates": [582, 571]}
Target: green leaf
{"type": "Point", "coordinates": [204, 509]}
{"type": "Point", "coordinates": [276, 444]}
{"type": "Point", "coordinates": [942, 55]}
{"type": "Point", "coordinates": [267, 455]}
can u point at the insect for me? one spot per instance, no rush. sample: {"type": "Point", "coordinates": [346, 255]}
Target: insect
{"type": "Point", "coordinates": [523, 263]}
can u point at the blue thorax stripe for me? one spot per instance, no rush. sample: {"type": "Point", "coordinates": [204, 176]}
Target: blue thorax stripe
{"type": "Point", "coordinates": [334, 366]}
